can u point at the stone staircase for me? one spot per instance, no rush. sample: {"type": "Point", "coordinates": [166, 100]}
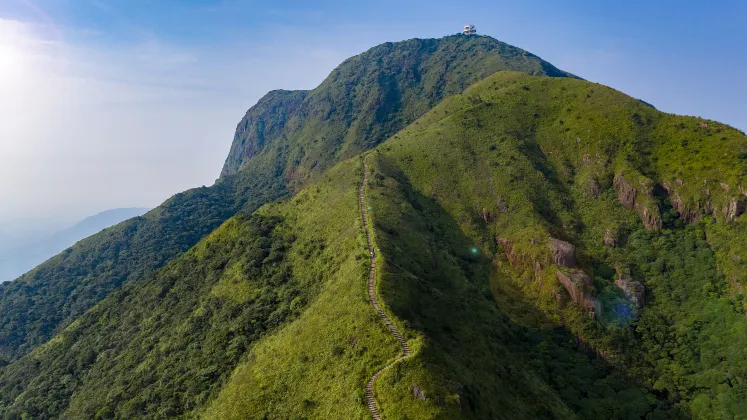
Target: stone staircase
{"type": "Point", "coordinates": [370, 397]}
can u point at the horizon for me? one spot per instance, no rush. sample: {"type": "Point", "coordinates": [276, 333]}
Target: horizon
{"type": "Point", "coordinates": [148, 102]}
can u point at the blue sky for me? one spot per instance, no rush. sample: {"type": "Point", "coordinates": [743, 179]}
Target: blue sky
{"type": "Point", "coordinates": [121, 103]}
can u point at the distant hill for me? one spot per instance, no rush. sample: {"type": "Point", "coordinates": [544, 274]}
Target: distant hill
{"type": "Point", "coordinates": [17, 260]}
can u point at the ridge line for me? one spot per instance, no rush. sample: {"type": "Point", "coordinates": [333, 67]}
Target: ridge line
{"type": "Point", "coordinates": [370, 398]}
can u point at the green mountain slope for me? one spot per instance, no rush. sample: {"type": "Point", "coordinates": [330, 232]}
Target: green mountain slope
{"type": "Point", "coordinates": [521, 162]}
{"type": "Point", "coordinates": [268, 317]}
{"type": "Point", "coordinates": [549, 247]}
{"type": "Point", "coordinates": [283, 142]}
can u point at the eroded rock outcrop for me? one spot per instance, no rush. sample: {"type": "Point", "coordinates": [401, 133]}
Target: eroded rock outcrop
{"type": "Point", "coordinates": [563, 253]}
{"type": "Point", "coordinates": [693, 211]}
{"type": "Point", "coordinates": [638, 200]}
{"type": "Point", "coordinates": [576, 282]}
{"type": "Point", "coordinates": [578, 285]}
{"type": "Point", "coordinates": [625, 192]}
{"type": "Point", "coordinates": [651, 220]}
{"type": "Point", "coordinates": [634, 290]}
{"type": "Point", "coordinates": [734, 209]}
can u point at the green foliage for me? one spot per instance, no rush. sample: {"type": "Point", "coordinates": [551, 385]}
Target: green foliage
{"type": "Point", "coordinates": [160, 348]}
{"type": "Point", "coordinates": [691, 338]}
{"type": "Point", "coordinates": [286, 140]}
{"type": "Point", "coordinates": [45, 300]}
{"type": "Point", "coordinates": [368, 98]}
{"type": "Point", "coordinates": [316, 366]}
{"type": "Point", "coordinates": [268, 316]}
{"type": "Point", "coordinates": [526, 159]}
{"type": "Point", "coordinates": [475, 362]}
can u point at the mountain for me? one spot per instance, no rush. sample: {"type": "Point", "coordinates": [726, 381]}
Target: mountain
{"type": "Point", "coordinates": [267, 318]}
{"type": "Point", "coordinates": [285, 141]}
{"type": "Point", "coordinates": [546, 247]}
{"type": "Point", "coordinates": [15, 261]}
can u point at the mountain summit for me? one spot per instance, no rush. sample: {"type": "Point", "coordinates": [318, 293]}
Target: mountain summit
{"type": "Point", "coordinates": [286, 140]}
{"type": "Point", "coordinates": [428, 234]}
{"type": "Point", "coordinates": [370, 97]}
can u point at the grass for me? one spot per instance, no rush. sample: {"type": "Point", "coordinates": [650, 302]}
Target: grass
{"type": "Point", "coordinates": [268, 317]}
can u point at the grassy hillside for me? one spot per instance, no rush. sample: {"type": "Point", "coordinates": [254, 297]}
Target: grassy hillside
{"type": "Point", "coordinates": [268, 317]}
{"type": "Point", "coordinates": [518, 161]}
{"type": "Point", "coordinates": [163, 347]}
{"type": "Point", "coordinates": [286, 140]}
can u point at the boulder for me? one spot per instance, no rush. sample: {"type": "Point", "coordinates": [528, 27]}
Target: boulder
{"type": "Point", "coordinates": [563, 253]}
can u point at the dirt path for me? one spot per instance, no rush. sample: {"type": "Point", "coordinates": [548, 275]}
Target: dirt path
{"type": "Point", "coordinates": [370, 398]}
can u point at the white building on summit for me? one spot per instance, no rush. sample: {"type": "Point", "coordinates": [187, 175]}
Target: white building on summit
{"type": "Point", "coordinates": [469, 30]}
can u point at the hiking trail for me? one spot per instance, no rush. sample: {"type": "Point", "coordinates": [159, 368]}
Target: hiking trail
{"type": "Point", "coordinates": [370, 398]}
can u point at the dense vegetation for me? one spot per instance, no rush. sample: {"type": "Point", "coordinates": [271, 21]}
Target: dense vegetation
{"type": "Point", "coordinates": [517, 160]}
{"type": "Point", "coordinates": [42, 302]}
{"type": "Point", "coordinates": [164, 346]}
{"type": "Point", "coordinates": [291, 138]}
{"type": "Point", "coordinates": [159, 349]}
{"type": "Point", "coordinates": [474, 360]}
{"type": "Point", "coordinates": [268, 316]}
{"type": "Point", "coordinates": [690, 341]}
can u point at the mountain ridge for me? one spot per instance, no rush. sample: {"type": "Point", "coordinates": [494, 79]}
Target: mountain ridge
{"type": "Point", "coordinates": [547, 247]}
{"type": "Point", "coordinates": [358, 106]}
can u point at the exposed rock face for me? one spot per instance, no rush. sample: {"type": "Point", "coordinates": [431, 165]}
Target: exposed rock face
{"type": "Point", "coordinates": [688, 214]}
{"type": "Point", "coordinates": [625, 192]}
{"type": "Point", "coordinates": [628, 196]}
{"type": "Point", "coordinates": [734, 209]}
{"type": "Point", "coordinates": [578, 285]}
{"type": "Point", "coordinates": [633, 289]}
{"type": "Point", "coordinates": [609, 239]}
{"type": "Point", "coordinates": [563, 253]}
{"type": "Point", "coordinates": [575, 281]}
{"type": "Point", "coordinates": [261, 122]}
{"type": "Point", "coordinates": [693, 212]}
{"type": "Point", "coordinates": [650, 220]}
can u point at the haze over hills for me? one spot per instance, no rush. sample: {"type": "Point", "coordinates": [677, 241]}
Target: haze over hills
{"type": "Point", "coordinates": [19, 255]}
{"type": "Point", "coordinates": [548, 248]}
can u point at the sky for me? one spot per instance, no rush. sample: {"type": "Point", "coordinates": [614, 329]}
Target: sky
{"type": "Point", "coordinates": [123, 103]}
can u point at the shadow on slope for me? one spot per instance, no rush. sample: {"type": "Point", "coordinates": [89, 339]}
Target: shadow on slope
{"type": "Point", "coordinates": [473, 360]}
